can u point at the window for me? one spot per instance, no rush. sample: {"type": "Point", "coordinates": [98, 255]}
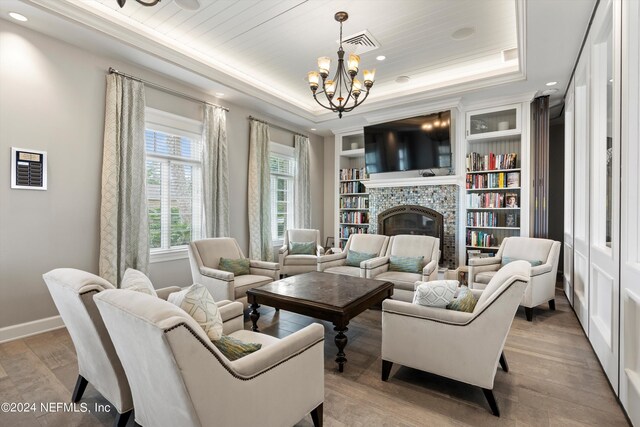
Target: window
{"type": "Point", "coordinates": [174, 185]}
{"type": "Point", "coordinates": [282, 167]}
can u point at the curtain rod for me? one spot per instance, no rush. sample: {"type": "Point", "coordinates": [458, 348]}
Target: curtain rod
{"type": "Point", "coordinates": [165, 89]}
{"type": "Point", "coordinates": [276, 126]}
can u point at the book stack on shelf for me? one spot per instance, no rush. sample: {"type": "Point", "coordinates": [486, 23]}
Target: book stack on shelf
{"type": "Point", "coordinates": [493, 219]}
{"type": "Point", "coordinates": [354, 204]}
{"type": "Point", "coordinates": [488, 162]}
{"type": "Point", "coordinates": [480, 239]}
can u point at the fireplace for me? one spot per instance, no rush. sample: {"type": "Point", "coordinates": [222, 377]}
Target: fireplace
{"type": "Point", "coordinates": [412, 219]}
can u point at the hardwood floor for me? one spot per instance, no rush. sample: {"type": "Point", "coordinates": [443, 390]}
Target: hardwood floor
{"type": "Point", "coordinates": [554, 379]}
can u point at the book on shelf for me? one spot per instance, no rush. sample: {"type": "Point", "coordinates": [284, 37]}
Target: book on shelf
{"type": "Point", "coordinates": [480, 239]}
{"type": "Point", "coordinates": [353, 174]}
{"type": "Point", "coordinates": [485, 200]}
{"type": "Point", "coordinates": [354, 217]}
{"type": "Point", "coordinates": [511, 200]}
{"type": "Point", "coordinates": [352, 187]}
{"type": "Point", "coordinates": [476, 162]}
{"type": "Point", "coordinates": [511, 219]}
{"type": "Point", "coordinates": [513, 179]}
{"type": "Point", "coordinates": [493, 180]}
{"type": "Point", "coordinates": [354, 202]}
{"type": "Point", "coordinates": [492, 219]}
{"type": "Point", "coordinates": [345, 231]}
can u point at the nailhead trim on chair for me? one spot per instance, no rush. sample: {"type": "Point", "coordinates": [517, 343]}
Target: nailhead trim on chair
{"type": "Point", "coordinates": [235, 375]}
{"type": "Point", "coordinates": [452, 323]}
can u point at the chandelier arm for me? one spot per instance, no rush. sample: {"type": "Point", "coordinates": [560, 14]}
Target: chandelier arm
{"type": "Point", "coordinates": [357, 102]}
{"type": "Point", "coordinates": [350, 86]}
{"type": "Point", "coordinates": [152, 3]}
{"type": "Point", "coordinates": [320, 103]}
{"type": "Point", "coordinates": [332, 106]}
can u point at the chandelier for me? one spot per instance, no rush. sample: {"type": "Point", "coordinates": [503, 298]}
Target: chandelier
{"type": "Point", "coordinates": [343, 92]}
{"type": "Point", "coordinates": [184, 4]}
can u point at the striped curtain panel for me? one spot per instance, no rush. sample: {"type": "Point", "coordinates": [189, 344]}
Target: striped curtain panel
{"type": "Point", "coordinates": [215, 172]}
{"type": "Point", "coordinates": [540, 142]}
{"type": "Point", "coordinates": [124, 228]}
{"type": "Point", "coordinates": [259, 193]}
{"type": "Point", "coordinates": [302, 183]}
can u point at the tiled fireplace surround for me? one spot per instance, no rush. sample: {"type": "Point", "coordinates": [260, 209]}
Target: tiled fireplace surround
{"type": "Point", "coordinates": [442, 198]}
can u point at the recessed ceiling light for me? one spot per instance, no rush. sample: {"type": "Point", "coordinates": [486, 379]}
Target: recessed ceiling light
{"type": "Point", "coordinates": [463, 33]}
{"type": "Point", "coordinates": [381, 57]}
{"type": "Point", "coordinates": [402, 79]}
{"type": "Point", "coordinates": [313, 128]}
{"type": "Point", "coordinates": [18, 17]}
{"type": "Point", "coordinates": [552, 83]}
{"type": "Point", "coordinates": [219, 94]}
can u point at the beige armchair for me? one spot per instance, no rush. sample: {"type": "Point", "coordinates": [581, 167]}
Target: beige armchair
{"type": "Point", "coordinates": [542, 286]}
{"type": "Point", "coordinates": [366, 243]}
{"type": "Point", "coordinates": [406, 246]}
{"type": "Point", "coordinates": [296, 263]}
{"type": "Point", "coordinates": [179, 378]}
{"type": "Point", "coordinates": [462, 346]}
{"type": "Point", "coordinates": [204, 256]}
{"type": "Point", "coordinates": [72, 292]}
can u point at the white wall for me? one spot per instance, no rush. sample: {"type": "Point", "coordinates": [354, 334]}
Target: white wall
{"type": "Point", "coordinates": [52, 99]}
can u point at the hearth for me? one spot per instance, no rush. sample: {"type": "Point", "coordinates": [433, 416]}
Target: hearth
{"type": "Point", "coordinates": [412, 219]}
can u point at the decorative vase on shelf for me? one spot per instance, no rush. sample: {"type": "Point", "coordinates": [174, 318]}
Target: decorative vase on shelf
{"type": "Point", "coordinates": [354, 145]}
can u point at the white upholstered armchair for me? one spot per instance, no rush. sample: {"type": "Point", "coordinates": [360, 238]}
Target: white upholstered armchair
{"type": "Point", "coordinates": [204, 256]}
{"type": "Point", "coordinates": [406, 246]}
{"type": "Point", "coordinates": [462, 346]}
{"type": "Point", "coordinates": [291, 264]}
{"type": "Point", "coordinates": [72, 292]}
{"type": "Point", "coordinates": [542, 286]}
{"type": "Point", "coordinates": [179, 378]}
{"type": "Point", "coordinates": [375, 244]}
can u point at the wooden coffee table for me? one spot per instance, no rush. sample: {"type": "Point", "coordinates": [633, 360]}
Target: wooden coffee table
{"type": "Point", "coordinates": [332, 297]}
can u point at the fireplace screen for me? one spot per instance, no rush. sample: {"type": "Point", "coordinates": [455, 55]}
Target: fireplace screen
{"type": "Point", "coordinates": [411, 219]}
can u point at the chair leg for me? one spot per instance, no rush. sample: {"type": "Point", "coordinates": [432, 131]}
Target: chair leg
{"type": "Point", "coordinates": [316, 416]}
{"type": "Point", "coordinates": [503, 362]}
{"type": "Point", "coordinates": [121, 419]}
{"type": "Point", "coordinates": [488, 394]}
{"type": "Point", "coordinates": [78, 391]}
{"type": "Point", "coordinates": [386, 369]}
{"type": "Point", "coordinates": [552, 304]}
{"type": "Point", "coordinates": [529, 312]}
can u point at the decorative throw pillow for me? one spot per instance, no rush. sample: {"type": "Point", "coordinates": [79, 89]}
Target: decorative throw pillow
{"type": "Point", "coordinates": [438, 293]}
{"type": "Point", "coordinates": [238, 266]}
{"type": "Point", "coordinates": [355, 258]}
{"type": "Point", "coordinates": [305, 248]}
{"type": "Point", "coordinates": [234, 349]}
{"type": "Point", "coordinates": [507, 260]}
{"type": "Point", "coordinates": [135, 280]}
{"type": "Point", "coordinates": [199, 304]}
{"type": "Point", "coordinates": [465, 301]}
{"type": "Point", "coordinates": [406, 264]}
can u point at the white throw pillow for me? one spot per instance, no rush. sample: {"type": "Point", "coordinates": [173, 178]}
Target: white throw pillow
{"type": "Point", "coordinates": [135, 280]}
{"type": "Point", "coordinates": [199, 304]}
{"type": "Point", "coordinates": [438, 293]}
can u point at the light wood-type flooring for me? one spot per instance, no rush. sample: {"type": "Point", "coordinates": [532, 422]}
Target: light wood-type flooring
{"type": "Point", "coordinates": [554, 379]}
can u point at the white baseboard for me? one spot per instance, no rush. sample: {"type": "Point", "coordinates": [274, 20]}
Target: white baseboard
{"type": "Point", "coordinates": [27, 329]}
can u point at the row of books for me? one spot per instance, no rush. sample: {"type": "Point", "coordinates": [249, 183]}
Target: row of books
{"type": "Point", "coordinates": [353, 173]}
{"type": "Point", "coordinates": [492, 200]}
{"type": "Point", "coordinates": [488, 162]}
{"type": "Point", "coordinates": [354, 202]}
{"type": "Point", "coordinates": [480, 239]}
{"type": "Point", "coordinates": [493, 180]}
{"type": "Point", "coordinates": [493, 219]}
{"type": "Point", "coordinates": [352, 187]}
{"type": "Point", "coordinates": [477, 253]}
{"type": "Point", "coordinates": [346, 231]}
{"type": "Point", "coordinates": [354, 217]}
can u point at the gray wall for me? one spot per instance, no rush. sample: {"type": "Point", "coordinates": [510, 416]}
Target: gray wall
{"type": "Point", "coordinates": [52, 99]}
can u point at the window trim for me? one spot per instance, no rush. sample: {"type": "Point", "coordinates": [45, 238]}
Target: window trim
{"type": "Point", "coordinates": [162, 121]}
{"type": "Point", "coordinates": [288, 152]}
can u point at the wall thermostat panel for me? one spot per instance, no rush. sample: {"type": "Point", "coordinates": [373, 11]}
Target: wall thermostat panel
{"type": "Point", "coordinates": [28, 169]}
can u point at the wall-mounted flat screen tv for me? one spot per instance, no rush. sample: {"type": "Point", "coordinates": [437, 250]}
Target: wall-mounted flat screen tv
{"type": "Point", "coordinates": [416, 143]}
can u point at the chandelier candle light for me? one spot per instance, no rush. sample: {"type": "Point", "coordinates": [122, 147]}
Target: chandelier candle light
{"type": "Point", "coordinates": [343, 90]}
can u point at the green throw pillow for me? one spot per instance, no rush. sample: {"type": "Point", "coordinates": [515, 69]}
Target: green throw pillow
{"type": "Point", "coordinates": [355, 258]}
{"type": "Point", "coordinates": [464, 302]}
{"type": "Point", "coordinates": [305, 248]}
{"type": "Point", "coordinates": [406, 264]}
{"type": "Point", "coordinates": [507, 260]}
{"type": "Point", "coordinates": [233, 348]}
{"type": "Point", "coordinates": [237, 266]}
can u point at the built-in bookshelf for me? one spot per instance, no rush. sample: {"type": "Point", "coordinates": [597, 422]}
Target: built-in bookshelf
{"type": "Point", "coordinates": [353, 199]}
{"type": "Point", "coordinates": [493, 195]}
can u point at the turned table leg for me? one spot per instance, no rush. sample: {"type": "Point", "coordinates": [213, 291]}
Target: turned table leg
{"type": "Point", "coordinates": [255, 315]}
{"type": "Point", "coordinates": [341, 343]}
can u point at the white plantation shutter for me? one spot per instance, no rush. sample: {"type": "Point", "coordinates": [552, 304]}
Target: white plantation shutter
{"type": "Point", "coordinates": [174, 187]}
{"type": "Point", "coordinates": [282, 169]}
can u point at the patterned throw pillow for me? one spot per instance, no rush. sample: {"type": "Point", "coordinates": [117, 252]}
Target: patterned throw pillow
{"type": "Point", "coordinates": [199, 304]}
{"type": "Point", "coordinates": [306, 248]}
{"type": "Point", "coordinates": [406, 264]}
{"type": "Point", "coordinates": [438, 293]}
{"type": "Point", "coordinates": [234, 349]}
{"type": "Point", "coordinates": [355, 258]}
{"type": "Point", "coordinates": [507, 260]}
{"type": "Point", "coordinates": [465, 301]}
{"type": "Point", "coordinates": [238, 266]}
{"type": "Point", "coordinates": [135, 280]}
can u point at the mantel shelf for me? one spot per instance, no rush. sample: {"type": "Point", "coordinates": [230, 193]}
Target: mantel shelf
{"type": "Point", "coordinates": [412, 182]}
